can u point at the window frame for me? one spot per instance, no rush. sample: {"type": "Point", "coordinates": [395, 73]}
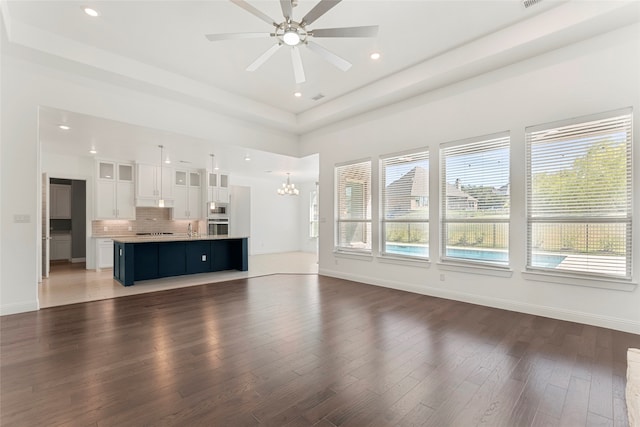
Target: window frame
{"type": "Point", "coordinates": [382, 202]}
{"type": "Point", "coordinates": [314, 214]}
{"type": "Point", "coordinates": [577, 220]}
{"type": "Point", "coordinates": [444, 221]}
{"type": "Point", "coordinates": [367, 206]}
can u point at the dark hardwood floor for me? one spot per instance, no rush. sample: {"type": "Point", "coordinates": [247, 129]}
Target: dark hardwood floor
{"type": "Point", "coordinates": [301, 350]}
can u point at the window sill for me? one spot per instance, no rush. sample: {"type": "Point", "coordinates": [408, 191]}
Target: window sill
{"type": "Point", "coordinates": [602, 283]}
{"type": "Point", "coordinates": [480, 269]}
{"type": "Point", "coordinates": [360, 256]}
{"type": "Point", "coordinates": [413, 262]}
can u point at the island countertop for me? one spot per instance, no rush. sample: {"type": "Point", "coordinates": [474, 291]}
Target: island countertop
{"type": "Point", "coordinates": [173, 238]}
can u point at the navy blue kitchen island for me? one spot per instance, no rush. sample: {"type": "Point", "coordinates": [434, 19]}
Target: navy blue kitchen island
{"type": "Point", "coordinates": [144, 258]}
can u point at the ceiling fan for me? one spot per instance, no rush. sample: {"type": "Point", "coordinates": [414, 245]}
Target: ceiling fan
{"type": "Point", "coordinates": [295, 33]}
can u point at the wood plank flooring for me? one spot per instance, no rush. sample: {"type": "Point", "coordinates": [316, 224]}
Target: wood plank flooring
{"type": "Point", "coordinates": [301, 350]}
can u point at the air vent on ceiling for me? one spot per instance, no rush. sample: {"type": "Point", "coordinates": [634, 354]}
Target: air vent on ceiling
{"type": "Point", "coordinates": [529, 3]}
{"type": "Point", "coordinates": [184, 161]}
{"type": "Point", "coordinates": [318, 97]}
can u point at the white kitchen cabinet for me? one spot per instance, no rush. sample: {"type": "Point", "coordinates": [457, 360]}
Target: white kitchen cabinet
{"type": "Point", "coordinates": [187, 192]}
{"type": "Point", "coordinates": [104, 253]}
{"type": "Point", "coordinates": [218, 187]}
{"type": "Point", "coordinates": [60, 247]}
{"type": "Point", "coordinates": [115, 191]}
{"type": "Point", "coordinates": [60, 201]}
{"type": "Point", "coordinates": [153, 183]}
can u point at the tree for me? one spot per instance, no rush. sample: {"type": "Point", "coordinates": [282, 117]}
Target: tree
{"type": "Point", "coordinates": [594, 184]}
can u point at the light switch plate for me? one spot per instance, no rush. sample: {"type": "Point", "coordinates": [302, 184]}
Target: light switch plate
{"type": "Point", "coordinates": [22, 218]}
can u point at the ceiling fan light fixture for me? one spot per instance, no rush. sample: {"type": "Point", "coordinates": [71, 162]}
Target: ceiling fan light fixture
{"type": "Point", "coordinates": [291, 37]}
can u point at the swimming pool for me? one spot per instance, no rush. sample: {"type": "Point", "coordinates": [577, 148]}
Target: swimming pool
{"type": "Point", "coordinates": [500, 257]}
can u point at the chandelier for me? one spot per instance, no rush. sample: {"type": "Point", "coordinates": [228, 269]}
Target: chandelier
{"type": "Point", "coordinates": [288, 188]}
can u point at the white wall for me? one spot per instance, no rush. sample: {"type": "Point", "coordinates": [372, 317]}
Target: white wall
{"type": "Point", "coordinates": [27, 83]}
{"type": "Point", "coordinates": [592, 76]}
{"type": "Point", "coordinates": [274, 218]}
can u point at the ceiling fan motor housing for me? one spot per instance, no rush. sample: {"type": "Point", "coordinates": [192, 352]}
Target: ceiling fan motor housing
{"type": "Point", "coordinates": [291, 33]}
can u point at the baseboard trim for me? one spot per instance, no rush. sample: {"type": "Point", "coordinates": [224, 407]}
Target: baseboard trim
{"type": "Point", "coordinates": [74, 260]}
{"type": "Point", "coordinates": [7, 309]}
{"type": "Point", "coordinates": [534, 309]}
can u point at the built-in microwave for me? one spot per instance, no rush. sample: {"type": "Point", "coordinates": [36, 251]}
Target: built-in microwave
{"type": "Point", "coordinates": [217, 209]}
{"type": "Point", "coordinates": [218, 226]}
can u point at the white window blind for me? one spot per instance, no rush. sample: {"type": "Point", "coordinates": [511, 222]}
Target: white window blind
{"type": "Point", "coordinates": [579, 195]}
{"type": "Point", "coordinates": [353, 205]}
{"type": "Point", "coordinates": [404, 184]}
{"type": "Point", "coordinates": [475, 199]}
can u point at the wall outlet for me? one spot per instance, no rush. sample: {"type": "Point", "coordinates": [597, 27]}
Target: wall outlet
{"type": "Point", "coordinates": [105, 228]}
{"type": "Point", "coordinates": [442, 277]}
{"type": "Point", "coordinates": [204, 257]}
{"type": "Point", "coordinates": [130, 228]}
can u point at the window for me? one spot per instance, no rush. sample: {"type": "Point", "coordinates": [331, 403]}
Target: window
{"type": "Point", "coordinates": [579, 196]}
{"type": "Point", "coordinates": [353, 204]}
{"type": "Point", "coordinates": [405, 205]}
{"type": "Point", "coordinates": [313, 214]}
{"type": "Point", "coordinates": [475, 198]}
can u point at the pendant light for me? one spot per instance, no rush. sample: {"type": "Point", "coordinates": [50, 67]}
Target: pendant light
{"type": "Point", "coordinates": [288, 188]}
{"type": "Point", "coordinates": [212, 202]}
{"type": "Point", "coordinates": [161, 200]}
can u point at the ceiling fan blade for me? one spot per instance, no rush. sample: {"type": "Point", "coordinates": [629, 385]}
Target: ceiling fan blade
{"type": "Point", "coordinates": [233, 36]}
{"type": "Point", "coordinates": [298, 69]}
{"type": "Point", "coordinates": [367, 31]}
{"type": "Point", "coordinates": [286, 8]}
{"type": "Point", "coordinates": [331, 57]}
{"type": "Point", "coordinates": [261, 60]}
{"type": "Point", "coordinates": [318, 10]}
{"type": "Point", "coordinates": [252, 10]}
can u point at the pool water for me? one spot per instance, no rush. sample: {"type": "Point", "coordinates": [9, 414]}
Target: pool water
{"type": "Point", "coordinates": [501, 257]}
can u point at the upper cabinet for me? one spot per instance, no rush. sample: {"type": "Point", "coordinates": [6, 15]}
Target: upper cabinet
{"type": "Point", "coordinates": [114, 191]}
{"type": "Point", "coordinates": [153, 183]}
{"type": "Point", "coordinates": [60, 201]}
{"type": "Point", "coordinates": [217, 187]}
{"type": "Point", "coordinates": [187, 192]}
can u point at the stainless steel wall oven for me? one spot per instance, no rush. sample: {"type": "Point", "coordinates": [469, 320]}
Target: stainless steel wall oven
{"type": "Point", "coordinates": [218, 226]}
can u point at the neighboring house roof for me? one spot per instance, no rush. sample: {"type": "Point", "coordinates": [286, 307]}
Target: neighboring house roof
{"type": "Point", "coordinates": [454, 191]}
{"type": "Point", "coordinates": [417, 179]}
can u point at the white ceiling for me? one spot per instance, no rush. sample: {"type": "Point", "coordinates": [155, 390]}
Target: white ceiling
{"type": "Point", "coordinates": [170, 35]}
{"type": "Point", "coordinates": [127, 142]}
{"type": "Point", "coordinates": [160, 45]}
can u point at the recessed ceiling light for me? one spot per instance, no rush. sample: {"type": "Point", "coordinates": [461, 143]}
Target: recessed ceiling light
{"type": "Point", "coordinates": [93, 150]}
{"type": "Point", "coordinates": [297, 94]}
{"type": "Point", "coordinates": [91, 12]}
{"type": "Point", "coordinates": [375, 56]}
{"type": "Point", "coordinates": [247, 158]}
{"type": "Point", "coordinates": [64, 127]}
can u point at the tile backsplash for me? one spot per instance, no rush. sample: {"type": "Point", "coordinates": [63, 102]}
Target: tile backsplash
{"type": "Point", "coordinates": [148, 220]}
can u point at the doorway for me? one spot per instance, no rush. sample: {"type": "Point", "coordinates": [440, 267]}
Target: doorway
{"type": "Point", "coordinates": [64, 219]}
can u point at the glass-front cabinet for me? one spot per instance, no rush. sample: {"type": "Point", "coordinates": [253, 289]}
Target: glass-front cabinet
{"type": "Point", "coordinates": [218, 187]}
{"type": "Point", "coordinates": [187, 192]}
{"type": "Point", "coordinates": [114, 190]}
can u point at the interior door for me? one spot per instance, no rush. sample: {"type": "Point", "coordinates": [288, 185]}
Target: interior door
{"type": "Point", "coordinates": [46, 233]}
